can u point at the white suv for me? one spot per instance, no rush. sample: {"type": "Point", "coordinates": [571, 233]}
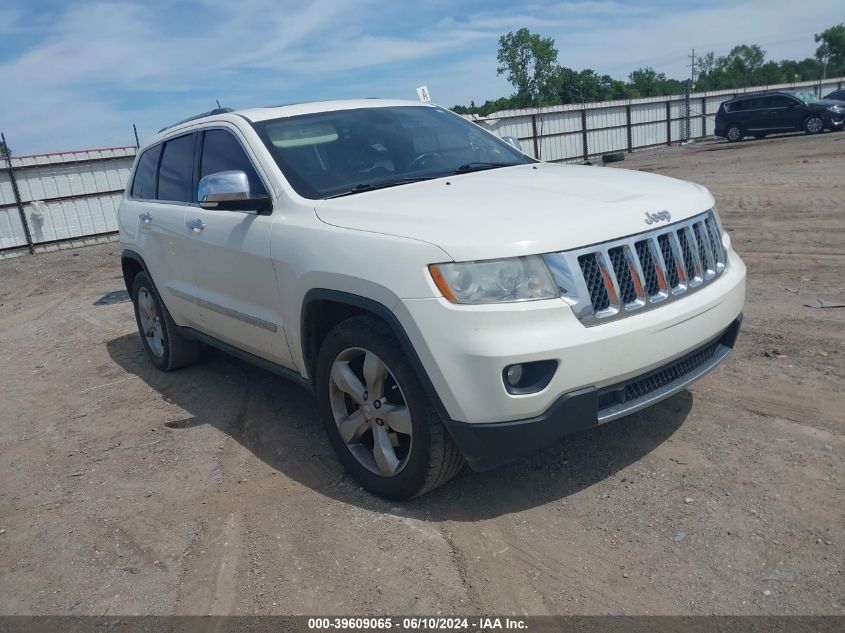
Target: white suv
{"type": "Point", "coordinates": [445, 297]}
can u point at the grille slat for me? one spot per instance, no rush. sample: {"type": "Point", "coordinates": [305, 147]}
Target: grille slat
{"type": "Point", "coordinates": [595, 282]}
{"type": "Point", "coordinates": [715, 243]}
{"type": "Point", "coordinates": [704, 252]}
{"type": "Point", "coordinates": [669, 258]}
{"type": "Point", "coordinates": [627, 291]}
{"type": "Point", "coordinates": [686, 252]}
{"type": "Point", "coordinates": [652, 285]}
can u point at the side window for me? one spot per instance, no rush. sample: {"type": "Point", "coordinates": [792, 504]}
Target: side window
{"type": "Point", "coordinates": [737, 106]}
{"type": "Point", "coordinates": [221, 151]}
{"type": "Point", "coordinates": [144, 184]}
{"type": "Point", "coordinates": [781, 102]}
{"type": "Point", "coordinates": [175, 176]}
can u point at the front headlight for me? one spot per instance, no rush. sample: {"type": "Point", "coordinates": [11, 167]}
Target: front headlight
{"type": "Point", "coordinates": [495, 280]}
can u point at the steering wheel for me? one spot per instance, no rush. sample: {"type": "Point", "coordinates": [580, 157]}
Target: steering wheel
{"type": "Point", "coordinates": [422, 161]}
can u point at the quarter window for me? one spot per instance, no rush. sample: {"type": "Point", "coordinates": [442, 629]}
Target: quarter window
{"type": "Point", "coordinates": [221, 151]}
{"type": "Point", "coordinates": [144, 184]}
{"type": "Point", "coordinates": [175, 177]}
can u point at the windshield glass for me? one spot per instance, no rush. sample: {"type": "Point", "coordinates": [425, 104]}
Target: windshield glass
{"type": "Point", "coordinates": [349, 151]}
{"type": "Point", "coordinates": [806, 96]}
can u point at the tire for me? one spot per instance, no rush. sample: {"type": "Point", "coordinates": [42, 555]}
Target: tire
{"type": "Point", "coordinates": [734, 133]}
{"type": "Point", "coordinates": [613, 158]}
{"type": "Point", "coordinates": [418, 454]}
{"type": "Point", "coordinates": [814, 124]}
{"type": "Point", "coordinates": [166, 348]}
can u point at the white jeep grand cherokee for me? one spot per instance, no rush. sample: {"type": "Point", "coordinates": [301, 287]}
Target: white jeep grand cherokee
{"type": "Point", "coordinates": [446, 298]}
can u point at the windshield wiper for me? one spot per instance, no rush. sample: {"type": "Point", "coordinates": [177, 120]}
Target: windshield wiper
{"type": "Point", "coordinates": [370, 186]}
{"type": "Point", "coordinates": [470, 167]}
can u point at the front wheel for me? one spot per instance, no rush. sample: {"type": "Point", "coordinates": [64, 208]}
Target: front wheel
{"type": "Point", "coordinates": [380, 422]}
{"type": "Point", "coordinates": [813, 124]}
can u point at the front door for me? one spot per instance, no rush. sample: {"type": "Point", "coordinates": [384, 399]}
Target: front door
{"type": "Point", "coordinates": [237, 293]}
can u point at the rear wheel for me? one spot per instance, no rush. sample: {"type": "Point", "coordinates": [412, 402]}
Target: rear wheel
{"type": "Point", "coordinates": [380, 422]}
{"type": "Point", "coordinates": [734, 133]}
{"type": "Point", "coordinates": [813, 124]}
{"type": "Point", "coordinates": [164, 344]}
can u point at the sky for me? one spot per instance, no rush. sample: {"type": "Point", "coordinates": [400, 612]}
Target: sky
{"type": "Point", "coordinates": [77, 75]}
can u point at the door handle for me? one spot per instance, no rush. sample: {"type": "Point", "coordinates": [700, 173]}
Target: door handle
{"type": "Point", "coordinates": [146, 217]}
{"type": "Point", "coordinates": [196, 225]}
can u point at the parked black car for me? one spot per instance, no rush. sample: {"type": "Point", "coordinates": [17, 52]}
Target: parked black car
{"type": "Point", "coordinates": [762, 113]}
{"type": "Point", "coordinates": [839, 95]}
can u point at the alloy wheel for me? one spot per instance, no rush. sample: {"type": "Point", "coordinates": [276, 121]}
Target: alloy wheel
{"type": "Point", "coordinates": [150, 317]}
{"type": "Point", "coordinates": [370, 411]}
{"type": "Point", "coordinates": [734, 133]}
{"type": "Point", "coordinates": [815, 125]}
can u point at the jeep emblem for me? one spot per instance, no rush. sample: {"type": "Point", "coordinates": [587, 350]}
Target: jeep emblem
{"type": "Point", "coordinates": [651, 218]}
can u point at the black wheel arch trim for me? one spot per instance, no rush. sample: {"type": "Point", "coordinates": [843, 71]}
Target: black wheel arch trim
{"type": "Point", "coordinates": [128, 253]}
{"type": "Point", "coordinates": [385, 314]}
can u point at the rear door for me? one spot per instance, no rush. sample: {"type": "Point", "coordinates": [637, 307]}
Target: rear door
{"type": "Point", "coordinates": [238, 296]}
{"type": "Point", "coordinates": [756, 116]}
{"type": "Point", "coordinates": [160, 195]}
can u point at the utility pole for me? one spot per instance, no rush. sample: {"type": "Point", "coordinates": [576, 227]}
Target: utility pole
{"type": "Point", "coordinates": [690, 86]}
{"type": "Point", "coordinates": [134, 129]}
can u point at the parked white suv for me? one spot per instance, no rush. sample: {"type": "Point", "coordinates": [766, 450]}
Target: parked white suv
{"type": "Point", "coordinates": [446, 297]}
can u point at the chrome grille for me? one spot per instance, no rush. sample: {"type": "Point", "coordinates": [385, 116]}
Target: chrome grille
{"type": "Point", "coordinates": [640, 272]}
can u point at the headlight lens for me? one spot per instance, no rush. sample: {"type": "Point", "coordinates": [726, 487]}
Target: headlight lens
{"type": "Point", "coordinates": [495, 280]}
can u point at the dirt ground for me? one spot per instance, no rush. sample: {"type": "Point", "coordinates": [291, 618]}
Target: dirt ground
{"type": "Point", "coordinates": [214, 490]}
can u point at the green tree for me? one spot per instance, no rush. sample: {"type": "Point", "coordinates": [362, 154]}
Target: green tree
{"type": "Point", "coordinates": [528, 61]}
{"type": "Point", "coordinates": [5, 150]}
{"type": "Point", "coordinates": [831, 50]}
{"type": "Point", "coordinates": [647, 82]}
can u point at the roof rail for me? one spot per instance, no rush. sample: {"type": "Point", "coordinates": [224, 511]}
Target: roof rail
{"type": "Point", "coordinates": [198, 116]}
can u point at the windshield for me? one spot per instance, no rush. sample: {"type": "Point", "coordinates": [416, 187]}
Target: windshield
{"type": "Point", "coordinates": [350, 151]}
{"type": "Point", "coordinates": [806, 96]}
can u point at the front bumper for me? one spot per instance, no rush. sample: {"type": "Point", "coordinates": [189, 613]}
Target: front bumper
{"type": "Point", "coordinates": [464, 349]}
{"type": "Point", "coordinates": [487, 446]}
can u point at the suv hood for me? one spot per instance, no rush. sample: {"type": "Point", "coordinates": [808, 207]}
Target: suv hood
{"type": "Point", "coordinates": [523, 210]}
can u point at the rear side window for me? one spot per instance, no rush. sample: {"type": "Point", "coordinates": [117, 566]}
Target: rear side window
{"type": "Point", "coordinates": [736, 106]}
{"type": "Point", "coordinates": [221, 151]}
{"type": "Point", "coordinates": [761, 103]}
{"type": "Point", "coordinates": [144, 184]}
{"type": "Point", "coordinates": [781, 101]}
{"type": "Point", "coordinates": [175, 176]}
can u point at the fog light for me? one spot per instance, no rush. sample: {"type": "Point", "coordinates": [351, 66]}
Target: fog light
{"type": "Point", "coordinates": [531, 377]}
{"type": "Point", "coordinates": [514, 375]}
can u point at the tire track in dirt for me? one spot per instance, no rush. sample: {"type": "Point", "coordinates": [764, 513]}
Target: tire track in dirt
{"type": "Point", "coordinates": [208, 584]}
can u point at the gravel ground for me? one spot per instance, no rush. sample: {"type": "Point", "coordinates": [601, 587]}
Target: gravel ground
{"type": "Point", "coordinates": [213, 489]}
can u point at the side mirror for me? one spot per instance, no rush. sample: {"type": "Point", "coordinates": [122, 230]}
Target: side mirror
{"type": "Point", "coordinates": [229, 191]}
{"type": "Point", "coordinates": [513, 142]}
